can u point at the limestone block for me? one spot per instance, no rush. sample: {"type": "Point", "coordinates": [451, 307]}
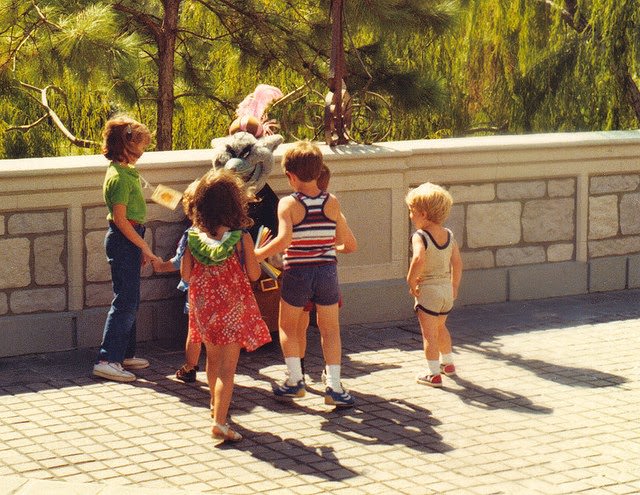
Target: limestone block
{"type": "Point", "coordinates": [603, 216]}
{"type": "Point", "coordinates": [156, 212]}
{"type": "Point", "coordinates": [608, 274]}
{"type": "Point", "coordinates": [548, 220]}
{"type": "Point", "coordinates": [483, 287]}
{"type": "Point", "coordinates": [166, 237]}
{"type": "Point", "coordinates": [14, 269]}
{"type": "Point", "coordinates": [633, 271]}
{"type": "Point", "coordinates": [160, 288]}
{"type": "Point", "coordinates": [547, 280]}
{"type": "Point", "coordinates": [48, 251]}
{"type": "Point", "coordinates": [476, 260]}
{"type": "Point", "coordinates": [146, 270]}
{"type": "Point", "coordinates": [36, 333]}
{"type": "Point", "coordinates": [97, 268]}
{"type": "Point", "coordinates": [613, 183]}
{"type": "Point", "coordinates": [35, 300]}
{"type": "Point", "coordinates": [473, 193]}
{"type": "Point", "coordinates": [520, 256]}
{"type": "Point", "coordinates": [561, 188]}
{"type": "Point", "coordinates": [366, 302]}
{"type": "Point", "coordinates": [98, 295]}
{"type": "Point", "coordinates": [168, 322]}
{"type": "Point", "coordinates": [455, 222]}
{"type": "Point", "coordinates": [521, 190]}
{"type": "Point", "coordinates": [630, 214]}
{"type": "Point", "coordinates": [495, 224]}
{"type": "Point", "coordinates": [36, 222]}
{"type": "Point", "coordinates": [614, 247]}
{"type": "Point", "coordinates": [90, 326]}
{"type": "Point", "coordinates": [560, 252]}
{"type": "Point", "coordinates": [4, 304]}
{"type": "Point", "coordinates": [95, 218]}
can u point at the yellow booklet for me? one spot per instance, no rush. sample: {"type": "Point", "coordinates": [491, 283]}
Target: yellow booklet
{"type": "Point", "coordinates": [166, 196]}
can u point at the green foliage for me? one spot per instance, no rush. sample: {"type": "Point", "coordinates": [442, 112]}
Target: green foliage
{"type": "Point", "coordinates": [497, 66]}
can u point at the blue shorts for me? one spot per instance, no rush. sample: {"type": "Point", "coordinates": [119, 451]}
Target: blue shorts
{"type": "Point", "coordinates": [317, 283]}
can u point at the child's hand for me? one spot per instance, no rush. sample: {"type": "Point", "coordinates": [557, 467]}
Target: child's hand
{"type": "Point", "coordinates": [158, 266]}
{"type": "Point", "coordinates": [149, 257]}
{"type": "Point", "coordinates": [414, 286]}
{"type": "Point", "coordinates": [415, 290]}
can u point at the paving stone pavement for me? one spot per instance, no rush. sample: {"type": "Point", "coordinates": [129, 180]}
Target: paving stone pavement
{"type": "Point", "coordinates": [546, 401]}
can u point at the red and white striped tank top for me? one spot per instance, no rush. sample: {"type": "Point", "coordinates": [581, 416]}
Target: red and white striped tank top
{"type": "Point", "coordinates": [314, 238]}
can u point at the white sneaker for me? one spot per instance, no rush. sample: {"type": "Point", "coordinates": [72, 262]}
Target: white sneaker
{"type": "Point", "coordinates": [112, 371]}
{"type": "Point", "coordinates": [135, 363]}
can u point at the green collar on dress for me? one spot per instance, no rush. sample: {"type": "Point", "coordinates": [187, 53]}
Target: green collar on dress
{"type": "Point", "coordinates": [209, 251]}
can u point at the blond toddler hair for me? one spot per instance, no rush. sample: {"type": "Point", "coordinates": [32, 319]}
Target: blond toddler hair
{"type": "Point", "coordinates": [432, 200]}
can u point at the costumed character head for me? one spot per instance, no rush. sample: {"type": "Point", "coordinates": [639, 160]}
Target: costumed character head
{"type": "Point", "coordinates": [248, 150]}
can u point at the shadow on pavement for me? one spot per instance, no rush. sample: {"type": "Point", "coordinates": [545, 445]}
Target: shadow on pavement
{"type": "Point", "coordinates": [566, 375]}
{"type": "Point", "coordinates": [395, 422]}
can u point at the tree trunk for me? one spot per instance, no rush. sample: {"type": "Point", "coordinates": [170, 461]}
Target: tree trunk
{"type": "Point", "coordinates": [632, 94]}
{"type": "Point", "coordinates": [166, 62]}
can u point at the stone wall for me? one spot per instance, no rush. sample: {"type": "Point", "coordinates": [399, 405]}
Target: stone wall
{"type": "Point", "coordinates": [33, 273]}
{"type": "Point", "coordinates": [499, 224]}
{"type": "Point", "coordinates": [535, 216]}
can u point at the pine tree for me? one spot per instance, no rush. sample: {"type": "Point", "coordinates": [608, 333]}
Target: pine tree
{"type": "Point", "coordinates": [182, 55]}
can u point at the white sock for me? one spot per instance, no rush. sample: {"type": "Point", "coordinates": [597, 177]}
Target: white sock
{"type": "Point", "coordinates": [447, 358]}
{"type": "Point", "coordinates": [434, 366]}
{"type": "Point", "coordinates": [333, 377]}
{"type": "Point", "coordinates": [295, 370]}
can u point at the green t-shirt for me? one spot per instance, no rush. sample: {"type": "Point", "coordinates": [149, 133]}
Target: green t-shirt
{"type": "Point", "coordinates": [122, 186]}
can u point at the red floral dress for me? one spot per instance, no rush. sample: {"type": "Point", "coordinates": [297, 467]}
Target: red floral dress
{"type": "Point", "coordinates": [222, 307]}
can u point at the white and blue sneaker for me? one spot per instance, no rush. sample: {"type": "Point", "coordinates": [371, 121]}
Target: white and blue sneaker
{"type": "Point", "coordinates": [339, 399]}
{"type": "Point", "coordinates": [286, 390]}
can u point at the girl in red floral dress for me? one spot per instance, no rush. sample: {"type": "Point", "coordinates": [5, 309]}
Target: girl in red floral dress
{"type": "Point", "coordinates": [222, 308]}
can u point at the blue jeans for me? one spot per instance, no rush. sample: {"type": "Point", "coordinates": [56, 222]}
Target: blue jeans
{"type": "Point", "coordinates": [125, 258]}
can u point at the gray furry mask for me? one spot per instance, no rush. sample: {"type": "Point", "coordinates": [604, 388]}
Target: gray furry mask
{"type": "Point", "coordinates": [250, 158]}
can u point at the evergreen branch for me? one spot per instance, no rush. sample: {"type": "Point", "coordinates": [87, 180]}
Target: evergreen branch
{"type": "Point", "coordinates": [29, 30]}
{"type": "Point", "coordinates": [154, 24]}
{"type": "Point", "coordinates": [43, 17]}
{"type": "Point", "coordinates": [200, 36]}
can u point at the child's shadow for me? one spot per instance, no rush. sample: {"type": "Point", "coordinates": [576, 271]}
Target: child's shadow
{"type": "Point", "coordinates": [566, 375]}
{"type": "Point", "coordinates": [493, 398]}
{"type": "Point", "coordinates": [376, 421]}
{"type": "Point", "coordinates": [292, 455]}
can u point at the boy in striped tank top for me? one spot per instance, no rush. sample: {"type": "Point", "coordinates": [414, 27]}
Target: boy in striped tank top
{"type": "Point", "coordinates": [311, 229]}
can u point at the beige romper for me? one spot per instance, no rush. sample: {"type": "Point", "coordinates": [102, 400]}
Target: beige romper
{"type": "Point", "coordinates": [436, 291]}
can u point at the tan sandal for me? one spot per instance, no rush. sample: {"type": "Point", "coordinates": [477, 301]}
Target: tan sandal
{"type": "Point", "coordinates": [222, 433]}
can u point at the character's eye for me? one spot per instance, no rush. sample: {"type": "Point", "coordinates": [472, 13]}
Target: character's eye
{"type": "Point", "coordinates": [245, 151]}
{"type": "Point", "coordinates": [231, 151]}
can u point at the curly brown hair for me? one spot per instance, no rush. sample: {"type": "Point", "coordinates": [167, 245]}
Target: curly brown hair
{"type": "Point", "coordinates": [220, 199]}
{"type": "Point", "coordinates": [120, 134]}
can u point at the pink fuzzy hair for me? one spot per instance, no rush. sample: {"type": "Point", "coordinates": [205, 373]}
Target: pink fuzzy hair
{"type": "Point", "coordinates": [256, 103]}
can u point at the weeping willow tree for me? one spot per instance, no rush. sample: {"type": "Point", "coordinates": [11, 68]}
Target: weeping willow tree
{"type": "Point", "coordinates": [541, 66]}
{"type": "Point", "coordinates": [181, 66]}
